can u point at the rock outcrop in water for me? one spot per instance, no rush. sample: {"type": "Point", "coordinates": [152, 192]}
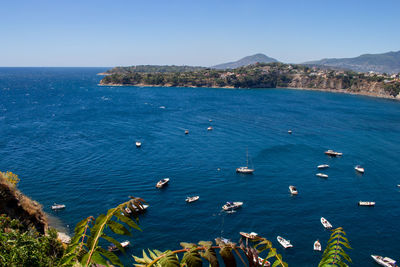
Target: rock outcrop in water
{"type": "Point", "coordinates": [18, 206]}
{"type": "Point", "coordinates": [262, 75]}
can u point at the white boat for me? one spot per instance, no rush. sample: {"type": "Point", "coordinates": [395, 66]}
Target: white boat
{"type": "Point", "coordinates": [366, 203]}
{"type": "Point", "coordinates": [359, 169]}
{"type": "Point", "coordinates": [142, 209]}
{"type": "Point", "coordinates": [114, 248]}
{"type": "Point", "coordinates": [209, 128]}
{"type": "Point", "coordinates": [186, 131]}
{"type": "Point", "coordinates": [251, 235]}
{"type": "Point", "coordinates": [58, 206]}
{"type": "Point", "coordinates": [317, 246]}
{"type": "Point", "coordinates": [289, 132]}
{"type": "Point", "coordinates": [162, 183]}
{"type": "Point", "coordinates": [323, 166]}
{"type": "Point", "coordinates": [138, 144]}
{"type": "Point", "coordinates": [384, 261]}
{"type": "Point", "coordinates": [246, 169]}
{"type": "Point", "coordinates": [192, 199]}
{"type": "Point", "coordinates": [332, 153]}
{"type": "Point", "coordinates": [322, 175]}
{"type": "Point", "coordinates": [232, 206]}
{"type": "Point", "coordinates": [293, 190]}
{"type": "Point", "coordinates": [285, 243]}
{"type": "Point", "coordinates": [398, 185]}
{"type": "Point", "coordinates": [260, 261]}
{"type": "Point", "coordinates": [325, 223]}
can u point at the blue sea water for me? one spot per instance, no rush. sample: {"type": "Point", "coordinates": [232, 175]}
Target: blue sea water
{"type": "Point", "coordinates": [73, 142]}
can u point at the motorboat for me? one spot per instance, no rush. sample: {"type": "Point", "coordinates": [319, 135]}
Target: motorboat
{"type": "Point", "coordinates": [162, 183]}
{"type": "Point", "coordinates": [186, 131]}
{"type": "Point", "coordinates": [251, 235]}
{"type": "Point", "coordinates": [322, 175]}
{"type": "Point", "coordinates": [325, 223]}
{"type": "Point", "coordinates": [58, 206]}
{"type": "Point", "coordinates": [209, 128]}
{"type": "Point", "coordinates": [332, 153]}
{"type": "Point", "coordinates": [384, 261]}
{"type": "Point", "coordinates": [138, 144]}
{"type": "Point", "coordinates": [359, 169]}
{"type": "Point", "coordinates": [323, 166]}
{"type": "Point", "coordinates": [114, 248]}
{"type": "Point", "coordinates": [289, 132]}
{"type": "Point", "coordinates": [232, 206]}
{"type": "Point", "coordinates": [192, 199]}
{"type": "Point", "coordinates": [285, 243]}
{"type": "Point", "coordinates": [260, 261]}
{"type": "Point", "coordinates": [317, 246]}
{"type": "Point", "coordinates": [293, 190]}
{"type": "Point", "coordinates": [366, 203]}
{"type": "Point", "coordinates": [142, 208]}
{"type": "Point", "coordinates": [245, 169]}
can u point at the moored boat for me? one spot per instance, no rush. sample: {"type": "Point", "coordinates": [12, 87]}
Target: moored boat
{"type": "Point", "coordinates": [289, 132]}
{"type": "Point", "coordinates": [359, 169]}
{"type": "Point", "coordinates": [260, 261]}
{"type": "Point", "coordinates": [58, 206]}
{"type": "Point", "coordinates": [186, 131]}
{"type": "Point", "coordinates": [384, 261]}
{"type": "Point", "coordinates": [366, 203]}
{"type": "Point", "coordinates": [143, 208]}
{"type": "Point", "coordinates": [317, 245]}
{"type": "Point", "coordinates": [232, 206]}
{"type": "Point", "coordinates": [332, 153]}
{"type": "Point", "coordinates": [114, 248]}
{"type": "Point", "coordinates": [325, 223]}
{"type": "Point", "coordinates": [322, 175]}
{"type": "Point", "coordinates": [285, 243]}
{"type": "Point", "coordinates": [192, 199]}
{"type": "Point", "coordinates": [251, 235]}
{"type": "Point", "coordinates": [138, 144]}
{"type": "Point", "coordinates": [293, 190]}
{"type": "Point", "coordinates": [209, 128]}
{"type": "Point", "coordinates": [323, 166]}
{"type": "Point", "coordinates": [162, 183]}
{"type": "Point", "coordinates": [245, 169]}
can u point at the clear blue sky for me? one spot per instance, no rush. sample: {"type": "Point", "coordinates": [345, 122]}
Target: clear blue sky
{"type": "Point", "coordinates": [116, 32]}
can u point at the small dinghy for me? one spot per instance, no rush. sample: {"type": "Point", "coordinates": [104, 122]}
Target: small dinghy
{"type": "Point", "coordinates": [186, 131]}
{"type": "Point", "coordinates": [359, 169]}
{"type": "Point", "coordinates": [114, 248]}
{"type": "Point", "coordinates": [251, 235]}
{"type": "Point", "coordinates": [192, 199]}
{"type": "Point", "coordinates": [323, 166]}
{"type": "Point", "coordinates": [325, 223]}
{"type": "Point", "coordinates": [209, 128]}
{"type": "Point", "coordinates": [332, 153]}
{"type": "Point", "coordinates": [58, 206]}
{"type": "Point", "coordinates": [162, 183]}
{"type": "Point", "coordinates": [317, 245]}
{"type": "Point", "coordinates": [138, 144]}
{"type": "Point", "coordinates": [293, 190]}
{"type": "Point", "coordinates": [366, 203]}
{"type": "Point", "coordinates": [384, 261]}
{"type": "Point", "coordinates": [285, 243]}
{"type": "Point", "coordinates": [230, 206]}
{"type": "Point", "coordinates": [322, 175]}
{"type": "Point", "coordinates": [289, 132]}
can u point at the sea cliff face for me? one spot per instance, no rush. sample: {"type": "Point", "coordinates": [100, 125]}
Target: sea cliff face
{"type": "Point", "coordinates": [260, 75]}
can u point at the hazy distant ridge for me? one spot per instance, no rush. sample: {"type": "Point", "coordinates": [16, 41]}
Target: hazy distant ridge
{"type": "Point", "coordinates": [261, 58]}
{"type": "Point", "coordinates": [386, 62]}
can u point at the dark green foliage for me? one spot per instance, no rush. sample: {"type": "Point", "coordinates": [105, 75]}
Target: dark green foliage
{"type": "Point", "coordinates": [393, 88]}
{"type": "Point", "coordinates": [334, 254]}
{"type": "Point", "coordinates": [152, 69]}
{"type": "Point", "coordinates": [19, 247]}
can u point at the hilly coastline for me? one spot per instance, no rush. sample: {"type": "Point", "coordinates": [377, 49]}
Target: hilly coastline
{"type": "Point", "coordinates": [266, 75]}
{"type": "Point", "coordinates": [257, 58]}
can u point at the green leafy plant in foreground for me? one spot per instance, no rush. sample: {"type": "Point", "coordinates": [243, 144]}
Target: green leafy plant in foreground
{"type": "Point", "coordinates": [334, 254]}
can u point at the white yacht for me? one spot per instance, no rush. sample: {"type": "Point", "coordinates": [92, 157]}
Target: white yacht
{"type": "Point", "coordinates": [322, 175]}
{"type": "Point", "coordinates": [138, 144]}
{"type": "Point", "coordinates": [332, 153]}
{"type": "Point", "coordinates": [359, 169]}
{"type": "Point", "coordinates": [251, 235]}
{"type": "Point", "coordinates": [366, 203]}
{"type": "Point", "coordinates": [325, 223]}
{"type": "Point", "coordinates": [293, 190]}
{"type": "Point", "coordinates": [114, 248]}
{"type": "Point", "coordinates": [245, 169]}
{"type": "Point", "coordinates": [162, 183]}
{"type": "Point", "coordinates": [285, 243]}
{"type": "Point", "coordinates": [323, 166]}
{"type": "Point", "coordinates": [317, 246]}
{"type": "Point", "coordinates": [384, 261]}
{"type": "Point", "coordinates": [58, 206]}
{"type": "Point", "coordinates": [192, 199]}
{"type": "Point", "coordinates": [232, 206]}
{"type": "Point", "coordinates": [209, 128]}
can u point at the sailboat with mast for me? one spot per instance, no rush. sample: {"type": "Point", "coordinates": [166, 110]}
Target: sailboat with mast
{"type": "Point", "coordinates": [246, 169]}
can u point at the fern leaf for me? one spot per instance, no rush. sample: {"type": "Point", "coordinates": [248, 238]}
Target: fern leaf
{"type": "Point", "coordinates": [192, 258]}
{"type": "Point", "coordinates": [110, 256]}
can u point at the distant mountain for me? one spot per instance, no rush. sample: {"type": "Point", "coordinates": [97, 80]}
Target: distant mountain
{"type": "Point", "coordinates": [261, 58]}
{"type": "Point", "coordinates": [386, 62]}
